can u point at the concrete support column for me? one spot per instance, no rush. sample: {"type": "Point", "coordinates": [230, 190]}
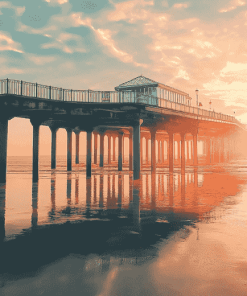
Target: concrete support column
{"type": "Point", "coordinates": [146, 150]}
{"type": "Point", "coordinates": [162, 152]}
{"type": "Point", "coordinates": [69, 149]}
{"type": "Point", "coordinates": [159, 158]}
{"type": "Point", "coordinates": [36, 126]}
{"type": "Point", "coordinates": [131, 151]}
{"type": "Point", "coordinates": [95, 147]}
{"type": "Point", "coordinates": [53, 147]}
{"type": "Point", "coordinates": [171, 150]}
{"type": "Point", "coordinates": [101, 162]}
{"type": "Point", "coordinates": [188, 150]}
{"type": "Point", "coordinates": [109, 149]}
{"type": "Point", "coordinates": [141, 154]}
{"type": "Point", "coordinates": [195, 155]}
{"type": "Point", "coordinates": [120, 150]}
{"type": "Point", "coordinates": [182, 153]}
{"type": "Point", "coordinates": [114, 148]}
{"type": "Point", "coordinates": [3, 148]}
{"type": "Point", "coordinates": [2, 210]}
{"type": "Point", "coordinates": [179, 156]}
{"type": "Point", "coordinates": [123, 150]}
{"type": "Point", "coordinates": [89, 154]}
{"type": "Point", "coordinates": [136, 151]}
{"type": "Point", "coordinates": [77, 147]}
{"type": "Point", "coordinates": [153, 151]}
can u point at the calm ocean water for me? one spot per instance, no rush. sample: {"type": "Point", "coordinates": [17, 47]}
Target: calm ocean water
{"type": "Point", "coordinates": [165, 235]}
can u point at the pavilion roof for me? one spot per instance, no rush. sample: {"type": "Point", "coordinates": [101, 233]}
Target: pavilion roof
{"type": "Point", "coordinates": [138, 81]}
{"type": "Point", "coordinates": [144, 81]}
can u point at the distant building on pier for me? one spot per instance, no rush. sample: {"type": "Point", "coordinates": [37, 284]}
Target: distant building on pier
{"type": "Point", "coordinates": [145, 86]}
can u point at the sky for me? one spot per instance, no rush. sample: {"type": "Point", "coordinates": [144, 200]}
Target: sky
{"type": "Point", "coordinates": [100, 44]}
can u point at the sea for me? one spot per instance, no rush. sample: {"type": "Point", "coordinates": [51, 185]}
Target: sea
{"type": "Point", "coordinates": [166, 234]}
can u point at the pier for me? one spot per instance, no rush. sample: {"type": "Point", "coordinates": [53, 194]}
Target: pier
{"type": "Point", "coordinates": [161, 126]}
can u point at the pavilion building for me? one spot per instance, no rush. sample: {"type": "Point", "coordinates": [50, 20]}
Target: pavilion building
{"type": "Point", "coordinates": [145, 87]}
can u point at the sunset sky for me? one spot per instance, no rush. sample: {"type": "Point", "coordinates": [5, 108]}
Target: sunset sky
{"type": "Point", "coordinates": [102, 43]}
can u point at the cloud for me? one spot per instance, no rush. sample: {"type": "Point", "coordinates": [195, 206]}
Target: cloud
{"type": "Point", "coordinates": [180, 5]}
{"type": "Point", "coordinates": [130, 10]}
{"type": "Point", "coordinates": [43, 31]}
{"type": "Point", "coordinates": [232, 5]}
{"type": "Point", "coordinates": [7, 43]}
{"type": "Point", "coordinates": [18, 10]}
{"type": "Point", "coordinates": [165, 3]}
{"type": "Point", "coordinates": [66, 42]}
{"type": "Point", "coordinates": [233, 67]}
{"type": "Point", "coordinates": [105, 37]}
{"type": "Point", "coordinates": [54, 2]}
{"type": "Point", "coordinates": [41, 60]}
{"type": "Point", "coordinates": [9, 70]}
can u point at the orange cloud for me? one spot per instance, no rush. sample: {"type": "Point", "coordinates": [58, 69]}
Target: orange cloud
{"type": "Point", "coordinates": [18, 10]}
{"type": "Point", "coordinates": [233, 5]}
{"type": "Point", "coordinates": [131, 10]}
{"type": "Point", "coordinates": [180, 5]}
{"type": "Point", "coordinates": [57, 1]}
{"type": "Point", "coordinates": [7, 43]}
{"type": "Point", "coordinates": [62, 43]}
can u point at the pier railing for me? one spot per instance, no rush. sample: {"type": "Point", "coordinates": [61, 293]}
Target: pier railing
{"type": "Point", "coordinates": [29, 89]}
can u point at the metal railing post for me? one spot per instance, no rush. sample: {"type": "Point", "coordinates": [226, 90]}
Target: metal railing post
{"type": "Point", "coordinates": [50, 93]}
{"type": "Point", "coordinates": [21, 87]}
{"type": "Point", "coordinates": [36, 90]}
{"type": "Point", "coordinates": [71, 94]}
{"type": "Point", "coordinates": [7, 88]}
{"type": "Point", "coordinates": [63, 94]}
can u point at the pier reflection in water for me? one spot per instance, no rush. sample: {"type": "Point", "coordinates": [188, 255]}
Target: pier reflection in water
{"type": "Point", "coordinates": [104, 227]}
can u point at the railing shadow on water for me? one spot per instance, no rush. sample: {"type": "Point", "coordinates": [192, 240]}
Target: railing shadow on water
{"type": "Point", "coordinates": [35, 90]}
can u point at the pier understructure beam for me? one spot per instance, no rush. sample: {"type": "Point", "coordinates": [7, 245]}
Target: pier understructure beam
{"type": "Point", "coordinates": [195, 154]}
{"type": "Point", "coordinates": [36, 125]}
{"type": "Point", "coordinates": [120, 151]}
{"type": "Point", "coordinates": [77, 146]}
{"type": "Point", "coordinates": [69, 148]}
{"type": "Point", "coordinates": [171, 150]}
{"type": "Point", "coordinates": [182, 153]}
{"type": "Point", "coordinates": [136, 150]}
{"type": "Point", "coordinates": [53, 145]}
{"type": "Point", "coordinates": [3, 147]}
{"type": "Point", "coordinates": [89, 153]}
{"type": "Point", "coordinates": [131, 151]}
{"type": "Point", "coordinates": [153, 150]}
{"type": "Point", "coordinates": [101, 160]}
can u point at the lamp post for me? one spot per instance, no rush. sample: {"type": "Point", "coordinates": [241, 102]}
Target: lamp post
{"type": "Point", "coordinates": [197, 97]}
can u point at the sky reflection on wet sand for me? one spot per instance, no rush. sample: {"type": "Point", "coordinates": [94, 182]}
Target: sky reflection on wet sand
{"type": "Point", "coordinates": [182, 240]}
